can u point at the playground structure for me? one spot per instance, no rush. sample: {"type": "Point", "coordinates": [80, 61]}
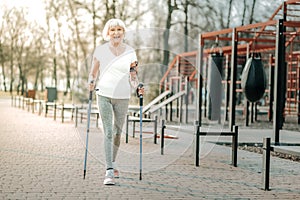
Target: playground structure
{"type": "Point", "coordinates": [276, 40]}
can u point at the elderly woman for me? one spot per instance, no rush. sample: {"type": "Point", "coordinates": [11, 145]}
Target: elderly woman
{"type": "Point", "coordinates": [113, 75]}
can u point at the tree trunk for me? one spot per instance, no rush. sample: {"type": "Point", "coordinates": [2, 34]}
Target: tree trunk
{"type": "Point", "coordinates": [244, 13]}
{"type": "Point", "coordinates": [21, 79]}
{"type": "Point", "coordinates": [186, 30]}
{"type": "Point", "coordinates": [167, 34]}
{"type": "Point", "coordinates": [11, 77]}
{"type": "Point", "coordinates": [252, 12]}
{"type": "Point", "coordinates": [2, 66]}
{"type": "Point", "coordinates": [229, 13]}
{"type": "Point", "coordinates": [54, 76]}
{"type": "Point", "coordinates": [4, 77]}
{"type": "Point", "coordinates": [37, 74]}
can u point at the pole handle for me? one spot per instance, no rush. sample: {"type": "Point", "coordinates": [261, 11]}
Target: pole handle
{"type": "Point", "coordinates": [141, 100]}
{"type": "Point", "coordinates": [140, 85]}
{"type": "Point", "coordinates": [91, 95]}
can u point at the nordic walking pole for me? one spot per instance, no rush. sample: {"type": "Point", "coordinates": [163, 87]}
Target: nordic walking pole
{"type": "Point", "coordinates": [141, 126]}
{"type": "Point", "coordinates": [87, 132]}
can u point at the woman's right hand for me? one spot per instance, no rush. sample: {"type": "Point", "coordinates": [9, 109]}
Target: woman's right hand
{"type": "Point", "coordinates": [93, 74]}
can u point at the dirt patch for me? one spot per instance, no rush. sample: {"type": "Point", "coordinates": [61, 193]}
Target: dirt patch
{"type": "Point", "coordinates": [259, 149]}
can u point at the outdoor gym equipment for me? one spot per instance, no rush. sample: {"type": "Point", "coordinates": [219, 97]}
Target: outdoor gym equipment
{"type": "Point", "coordinates": [254, 78]}
{"type": "Point", "coordinates": [215, 72]}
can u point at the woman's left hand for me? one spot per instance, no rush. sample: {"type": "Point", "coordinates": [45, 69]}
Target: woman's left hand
{"type": "Point", "coordinates": [140, 90]}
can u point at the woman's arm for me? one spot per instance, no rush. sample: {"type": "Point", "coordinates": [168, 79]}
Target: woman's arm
{"type": "Point", "coordinates": [94, 74]}
{"type": "Point", "coordinates": [133, 75]}
{"type": "Point", "coordinates": [134, 81]}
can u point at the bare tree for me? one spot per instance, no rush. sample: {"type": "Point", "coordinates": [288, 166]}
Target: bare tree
{"type": "Point", "coordinates": [172, 5]}
{"type": "Point", "coordinates": [15, 29]}
{"type": "Point", "coordinates": [229, 13]}
{"type": "Point", "coordinates": [91, 10]}
{"type": "Point", "coordinates": [51, 30]}
{"type": "Point", "coordinates": [3, 50]}
{"type": "Point", "coordinates": [244, 13]}
{"type": "Point", "coordinates": [252, 12]}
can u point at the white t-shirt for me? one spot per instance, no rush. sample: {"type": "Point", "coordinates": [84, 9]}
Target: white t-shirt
{"type": "Point", "coordinates": [114, 74]}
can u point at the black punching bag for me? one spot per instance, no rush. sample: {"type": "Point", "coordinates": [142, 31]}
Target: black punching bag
{"type": "Point", "coordinates": [254, 79]}
{"type": "Point", "coordinates": [215, 72]}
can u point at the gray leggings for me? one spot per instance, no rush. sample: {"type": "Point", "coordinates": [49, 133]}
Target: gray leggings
{"type": "Point", "coordinates": [113, 112]}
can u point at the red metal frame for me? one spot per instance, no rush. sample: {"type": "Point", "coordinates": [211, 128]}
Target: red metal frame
{"type": "Point", "coordinates": [258, 37]}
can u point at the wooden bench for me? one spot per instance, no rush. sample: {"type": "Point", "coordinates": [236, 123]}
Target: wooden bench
{"type": "Point", "coordinates": [134, 120]}
{"type": "Point", "coordinates": [84, 111]}
{"type": "Point", "coordinates": [59, 106]}
{"type": "Point", "coordinates": [65, 107]}
{"type": "Point", "coordinates": [48, 106]}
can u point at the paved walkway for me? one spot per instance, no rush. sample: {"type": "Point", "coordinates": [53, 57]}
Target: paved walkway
{"type": "Point", "coordinates": [43, 159]}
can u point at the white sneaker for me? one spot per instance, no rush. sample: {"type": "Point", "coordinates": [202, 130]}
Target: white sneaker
{"type": "Point", "coordinates": [109, 177]}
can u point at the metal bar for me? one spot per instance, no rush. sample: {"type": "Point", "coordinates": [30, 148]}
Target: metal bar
{"type": "Point", "coordinates": [87, 132]}
{"type": "Point", "coordinates": [255, 111]}
{"type": "Point", "coordinates": [180, 108]}
{"type": "Point", "coordinates": [127, 125]}
{"type": "Point", "coordinates": [141, 134]}
{"type": "Point", "coordinates": [179, 85]}
{"type": "Point", "coordinates": [169, 104]}
{"type": "Point", "coordinates": [197, 162]}
{"type": "Point", "coordinates": [279, 80]}
{"type": "Point", "coordinates": [235, 145]}
{"type": "Point", "coordinates": [247, 112]}
{"type": "Point", "coordinates": [271, 86]}
{"type": "Point", "coordinates": [205, 83]}
{"type": "Point", "coordinates": [155, 129]}
{"type": "Point", "coordinates": [227, 88]}
{"type": "Point", "coordinates": [266, 163]}
{"type": "Point", "coordinates": [233, 78]}
{"type": "Point", "coordinates": [256, 25]}
{"type": "Point", "coordinates": [187, 88]}
{"type": "Point", "coordinates": [247, 103]}
{"type": "Point", "coordinates": [171, 111]}
{"type": "Point", "coordinates": [162, 137]}
{"type": "Point", "coordinates": [133, 129]}
{"type": "Point", "coordinates": [200, 80]}
{"type": "Point", "coordinates": [205, 133]}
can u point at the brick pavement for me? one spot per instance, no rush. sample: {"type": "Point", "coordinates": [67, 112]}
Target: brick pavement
{"type": "Point", "coordinates": [43, 159]}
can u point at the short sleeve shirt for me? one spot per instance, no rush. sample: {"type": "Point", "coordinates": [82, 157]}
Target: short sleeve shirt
{"type": "Point", "coordinates": [114, 74]}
